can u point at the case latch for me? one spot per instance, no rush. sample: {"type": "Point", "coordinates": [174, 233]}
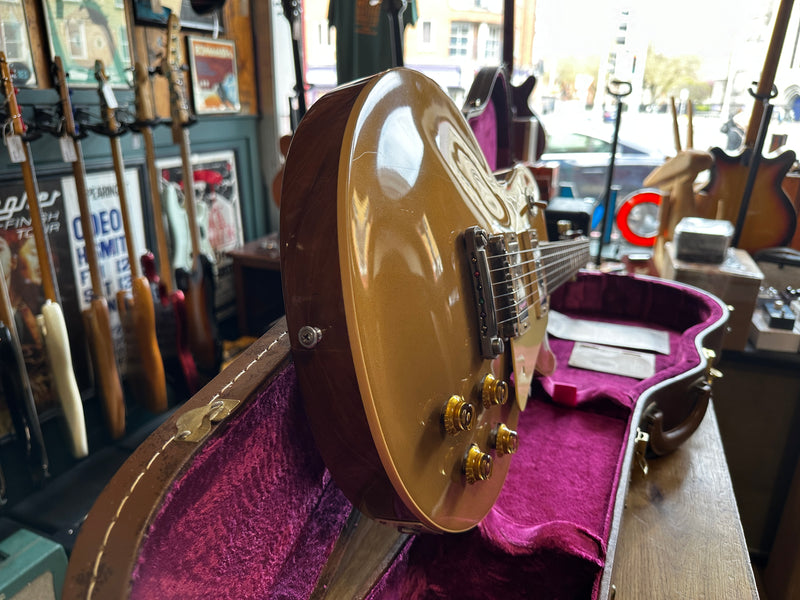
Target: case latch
{"type": "Point", "coordinates": [640, 450]}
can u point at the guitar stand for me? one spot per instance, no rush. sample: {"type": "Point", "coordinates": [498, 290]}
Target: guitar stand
{"type": "Point", "coordinates": [618, 89]}
{"type": "Point", "coordinates": [755, 160]}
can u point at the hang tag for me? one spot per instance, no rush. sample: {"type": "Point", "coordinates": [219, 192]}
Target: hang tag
{"type": "Point", "coordinates": [108, 94]}
{"type": "Point", "coordinates": [67, 149]}
{"type": "Point", "coordinates": [16, 150]}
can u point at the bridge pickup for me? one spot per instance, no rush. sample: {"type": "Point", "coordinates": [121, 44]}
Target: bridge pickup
{"type": "Point", "coordinates": [499, 287]}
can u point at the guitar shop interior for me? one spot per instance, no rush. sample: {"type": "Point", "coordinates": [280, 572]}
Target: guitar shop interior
{"type": "Point", "coordinates": [464, 299]}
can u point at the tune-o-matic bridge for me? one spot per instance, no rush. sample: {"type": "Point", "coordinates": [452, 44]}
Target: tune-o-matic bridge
{"type": "Point", "coordinates": [507, 281]}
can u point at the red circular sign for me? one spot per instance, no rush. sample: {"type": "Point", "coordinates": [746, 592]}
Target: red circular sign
{"type": "Point", "coordinates": [630, 221]}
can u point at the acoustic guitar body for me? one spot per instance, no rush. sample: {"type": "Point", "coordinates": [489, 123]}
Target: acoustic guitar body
{"type": "Point", "coordinates": [771, 217]}
{"type": "Point", "coordinates": [382, 179]}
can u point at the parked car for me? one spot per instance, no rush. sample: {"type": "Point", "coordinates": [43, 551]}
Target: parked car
{"type": "Point", "coordinates": [584, 158]}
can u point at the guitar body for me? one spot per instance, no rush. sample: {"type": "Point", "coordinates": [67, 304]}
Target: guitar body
{"type": "Point", "coordinates": [146, 368]}
{"type": "Point", "coordinates": [171, 329]}
{"type": "Point", "coordinates": [16, 388]}
{"type": "Point", "coordinates": [382, 179]}
{"type": "Point", "coordinates": [98, 332]}
{"type": "Point", "coordinates": [771, 217]}
{"type": "Point", "coordinates": [178, 227]}
{"type": "Point", "coordinates": [198, 294]}
{"type": "Point", "coordinates": [59, 357]}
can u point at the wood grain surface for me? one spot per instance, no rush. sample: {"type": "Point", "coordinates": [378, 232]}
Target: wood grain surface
{"type": "Point", "coordinates": [681, 536]}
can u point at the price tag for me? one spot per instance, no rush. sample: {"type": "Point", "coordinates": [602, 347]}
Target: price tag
{"type": "Point", "coordinates": [108, 94]}
{"type": "Point", "coordinates": [67, 149]}
{"type": "Point", "coordinates": [16, 150]}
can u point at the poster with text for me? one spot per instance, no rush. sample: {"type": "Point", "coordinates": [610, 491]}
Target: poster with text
{"type": "Point", "coordinates": [109, 238]}
{"type": "Point", "coordinates": [215, 83]}
{"type": "Point", "coordinates": [22, 272]}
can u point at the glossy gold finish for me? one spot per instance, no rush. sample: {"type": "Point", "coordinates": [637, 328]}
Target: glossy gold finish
{"type": "Point", "coordinates": [372, 219]}
{"type": "Point", "coordinates": [477, 465]}
{"type": "Point", "coordinates": [458, 415]}
{"type": "Point", "coordinates": [493, 391]}
{"type": "Point", "coordinates": [504, 440]}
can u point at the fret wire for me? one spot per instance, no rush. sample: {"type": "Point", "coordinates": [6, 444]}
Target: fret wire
{"type": "Point", "coordinates": [562, 261]}
{"type": "Point", "coordinates": [546, 248]}
{"type": "Point", "coordinates": [552, 267]}
{"type": "Point", "coordinates": [559, 255]}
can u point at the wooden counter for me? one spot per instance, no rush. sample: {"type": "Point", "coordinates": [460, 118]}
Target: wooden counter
{"type": "Point", "coordinates": [681, 536]}
{"type": "Point", "coordinates": [256, 273]}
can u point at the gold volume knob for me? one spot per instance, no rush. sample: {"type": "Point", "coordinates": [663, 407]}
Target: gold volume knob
{"type": "Point", "coordinates": [458, 415]}
{"type": "Point", "coordinates": [504, 440]}
{"type": "Point", "coordinates": [493, 391]}
{"type": "Point", "coordinates": [477, 465]}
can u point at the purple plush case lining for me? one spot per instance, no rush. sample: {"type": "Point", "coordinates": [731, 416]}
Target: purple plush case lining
{"type": "Point", "coordinates": [256, 513]}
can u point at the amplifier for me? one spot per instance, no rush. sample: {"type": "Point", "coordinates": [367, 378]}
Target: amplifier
{"type": "Point", "coordinates": [31, 567]}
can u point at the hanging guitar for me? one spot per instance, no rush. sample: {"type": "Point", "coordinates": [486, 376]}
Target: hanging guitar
{"type": "Point", "coordinates": [169, 302]}
{"type": "Point", "coordinates": [195, 281]}
{"type": "Point", "coordinates": [293, 11]}
{"type": "Point", "coordinates": [135, 306]}
{"type": "Point", "coordinates": [51, 320]}
{"type": "Point", "coordinates": [96, 318]}
{"type": "Point", "coordinates": [770, 218]}
{"type": "Point", "coordinates": [415, 284]}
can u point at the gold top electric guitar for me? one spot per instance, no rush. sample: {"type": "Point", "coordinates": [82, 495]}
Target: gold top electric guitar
{"type": "Point", "coordinates": [415, 283]}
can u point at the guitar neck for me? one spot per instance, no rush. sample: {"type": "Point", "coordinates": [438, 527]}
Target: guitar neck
{"type": "Point", "coordinates": [562, 260]}
{"type": "Point", "coordinates": [164, 266]}
{"type": "Point", "coordinates": [40, 237]}
{"type": "Point", "coordinates": [119, 172]}
{"type": "Point", "coordinates": [767, 79]}
{"type": "Point", "coordinates": [79, 175]}
{"type": "Point", "coordinates": [17, 126]}
{"type": "Point", "coordinates": [188, 194]}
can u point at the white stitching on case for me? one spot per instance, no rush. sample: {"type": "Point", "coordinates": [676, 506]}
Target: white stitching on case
{"type": "Point", "coordinates": [101, 550]}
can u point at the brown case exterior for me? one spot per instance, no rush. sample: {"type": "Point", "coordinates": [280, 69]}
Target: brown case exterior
{"type": "Point", "coordinates": [106, 551]}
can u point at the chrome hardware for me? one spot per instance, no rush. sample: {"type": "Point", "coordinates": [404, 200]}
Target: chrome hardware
{"type": "Point", "coordinates": [493, 391]}
{"type": "Point", "coordinates": [498, 285]}
{"type": "Point", "coordinates": [309, 336]}
{"type": "Point", "coordinates": [477, 465]}
{"type": "Point", "coordinates": [504, 440]}
{"type": "Point", "coordinates": [458, 415]}
{"type": "Point", "coordinates": [640, 450]}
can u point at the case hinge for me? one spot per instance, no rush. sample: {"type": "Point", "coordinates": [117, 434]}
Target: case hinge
{"type": "Point", "coordinates": [196, 424]}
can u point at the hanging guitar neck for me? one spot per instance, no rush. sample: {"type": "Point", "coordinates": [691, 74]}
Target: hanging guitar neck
{"type": "Point", "coordinates": [197, 285]}
{"type": "Point", "coordinates": [97, 320]}
{"type": "Point", "coordinates": [51, 320]}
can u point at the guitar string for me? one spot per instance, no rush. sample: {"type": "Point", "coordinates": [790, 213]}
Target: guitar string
{"type": "Point", "coordinates": [556, 272]}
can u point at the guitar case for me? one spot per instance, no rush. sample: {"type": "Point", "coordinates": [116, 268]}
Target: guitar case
{"type": "Point", "coordinates": [229, 498]}
{"type": "Point", "coordinates": [507, 130]}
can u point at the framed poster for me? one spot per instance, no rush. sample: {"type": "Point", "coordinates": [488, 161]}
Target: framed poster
{"type": "Point", "coordinates": [219, 219]}
{"type": "Point", "coordinates": [82, 31]}
{"type": "Point", "coordinates": [61, 218]}
{"type": "Point", "coordinates": [215, 83]}
{"type": "Point", "coordinates": [109, 237]}
{"type": "Point", "coordinates": [15, 42]}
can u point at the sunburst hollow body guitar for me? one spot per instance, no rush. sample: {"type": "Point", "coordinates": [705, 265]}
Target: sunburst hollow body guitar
{"type": "Point", "coordinates": [415, 283]}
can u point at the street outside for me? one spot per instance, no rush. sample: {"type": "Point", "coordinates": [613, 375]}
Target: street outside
{"type": "Point", "coordinates": [654, 130]}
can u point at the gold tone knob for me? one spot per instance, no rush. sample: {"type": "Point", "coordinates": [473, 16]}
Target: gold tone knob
{"type": "Point", "coordinates": [504, 440]}
{"type": "Point", "coordinates": [458, 415]}
{"type": "Point", "coordinates": [477, 465]}
{"type": "Point", "coordinates": [493, 391]}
